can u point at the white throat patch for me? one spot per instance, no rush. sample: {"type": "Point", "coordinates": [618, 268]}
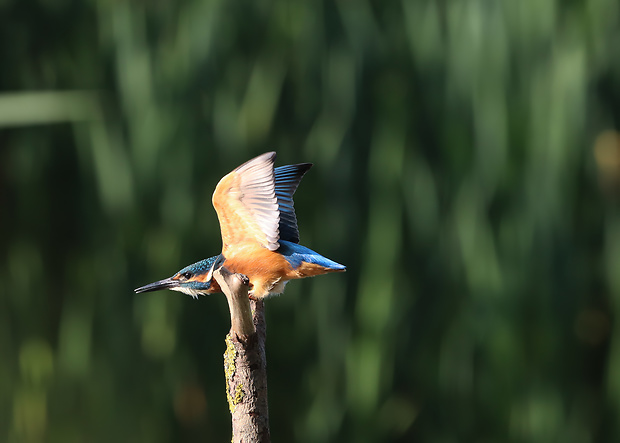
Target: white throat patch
{"type": "Point", "coordinates": [192, 292]}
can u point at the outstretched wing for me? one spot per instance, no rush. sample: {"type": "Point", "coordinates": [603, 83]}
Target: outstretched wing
{"type": "Point", "coordinates": [246, 205]}
{"type": "Point", "coordinates": [287, 179]}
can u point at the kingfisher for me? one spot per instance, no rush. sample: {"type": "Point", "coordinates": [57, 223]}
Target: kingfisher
{"type": "Point", "coordinates": [260, 237]}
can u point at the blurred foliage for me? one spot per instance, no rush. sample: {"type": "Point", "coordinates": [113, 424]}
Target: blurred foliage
{"type": "Point", "coordinates": [467, 171]}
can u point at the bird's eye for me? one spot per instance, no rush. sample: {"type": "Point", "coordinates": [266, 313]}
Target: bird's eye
{"type": "Point", "coordinates": [187, 275]}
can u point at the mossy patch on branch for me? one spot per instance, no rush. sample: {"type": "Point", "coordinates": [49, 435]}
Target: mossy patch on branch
{"type": "Point", "coordinates": [229, 370]}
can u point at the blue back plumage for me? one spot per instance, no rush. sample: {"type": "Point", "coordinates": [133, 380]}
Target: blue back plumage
{"type": "Point", "coordinates": [287, 179]}
{"type": "Point", "coordinates": [295, 254]}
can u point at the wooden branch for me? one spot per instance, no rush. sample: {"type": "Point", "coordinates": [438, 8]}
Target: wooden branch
{"type": "Point", "coordinates": [235, 288]}
{"type": "Point", "coordinates": [245, 365]}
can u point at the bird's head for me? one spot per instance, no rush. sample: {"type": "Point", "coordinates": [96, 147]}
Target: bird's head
{"type": "Point", "coordinates": [194, 280]}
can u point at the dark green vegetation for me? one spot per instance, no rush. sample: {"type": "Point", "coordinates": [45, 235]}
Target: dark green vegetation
{"type": "Point", "coordinates": [460, 174]}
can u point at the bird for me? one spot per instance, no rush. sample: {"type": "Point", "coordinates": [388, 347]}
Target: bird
{"type": "Point", "coordinates": [260, 236]}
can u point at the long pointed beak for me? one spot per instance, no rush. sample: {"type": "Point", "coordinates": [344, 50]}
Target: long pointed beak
{"type": "Point", "coordinates": [166, 283]}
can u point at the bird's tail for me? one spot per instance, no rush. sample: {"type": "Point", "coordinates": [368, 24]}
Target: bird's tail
{"type": "Point", "coordinates": [306, 261]}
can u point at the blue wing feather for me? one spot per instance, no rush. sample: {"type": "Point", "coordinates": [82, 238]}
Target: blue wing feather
{"type": "Point", "coordinates": [287, 179]}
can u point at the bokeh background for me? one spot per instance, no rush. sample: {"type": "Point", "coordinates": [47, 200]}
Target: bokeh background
{"type": "Point", "coordinates": [467, 171]}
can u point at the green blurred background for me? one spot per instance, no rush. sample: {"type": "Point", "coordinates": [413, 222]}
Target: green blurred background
{"type": "Point", "coordinates": [467, 171]}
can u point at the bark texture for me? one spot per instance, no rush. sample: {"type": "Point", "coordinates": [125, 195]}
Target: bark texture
{"type": "Point", "coordinates": [245, 365]}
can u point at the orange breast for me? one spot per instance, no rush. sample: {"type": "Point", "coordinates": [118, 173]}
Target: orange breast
{"type": "Point", "coordinates": [255, 261]}
{"type": "Point", "coordinates": [263, 267]}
